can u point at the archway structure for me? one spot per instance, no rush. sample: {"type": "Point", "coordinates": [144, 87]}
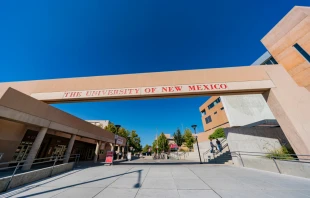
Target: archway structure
{"type": "Point", "coordinates": [289, 103]}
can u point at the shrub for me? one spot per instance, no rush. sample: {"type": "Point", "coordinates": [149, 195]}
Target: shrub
{"type": "Point", "coordinates": [281, 153]}
{"type": "Point", "coordinates": [218, 133]}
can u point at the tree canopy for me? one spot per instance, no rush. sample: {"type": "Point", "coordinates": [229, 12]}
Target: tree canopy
{"type": "Point", "coordinates": [218, 133]}
{"type": "Point", "coordinates": [133, 140]}
{"type": "Point", "coordinates": [178, 138]}
{"type": "Point", "coordinates": [188, 138]}
{"type": "Point", "coordinates": [145, 148]}
{"type": "Point", "coordinates": [162, 143]}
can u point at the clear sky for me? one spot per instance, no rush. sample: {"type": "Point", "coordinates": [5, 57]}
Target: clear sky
{"type": "Point", "coordinates": [76, 38]}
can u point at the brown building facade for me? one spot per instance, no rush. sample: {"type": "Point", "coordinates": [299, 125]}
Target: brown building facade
{"type": "Point", "coordinates": [288, 44]}
{"type": "Point", "coordinates": [213, 116]}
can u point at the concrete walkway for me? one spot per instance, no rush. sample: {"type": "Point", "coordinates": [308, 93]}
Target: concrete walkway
{"type": "Point", "coordinates": [166, 181]}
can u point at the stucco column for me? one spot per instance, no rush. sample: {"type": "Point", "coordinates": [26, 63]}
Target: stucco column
{"type": "Point", "coordinates": [112, 146]}
{"type": "Point", "coordinates": [118, 151]}
{"type": "Point", "coordinates": [290, 105]}
{"type": "Point", "coordinates": [123, 152]}
{"type": "Point", "coordinates": [69, 149]}
{"type": "Point", "coordinates": [97, 151]}
{"type": "Point", "coordinates": [34, 149]}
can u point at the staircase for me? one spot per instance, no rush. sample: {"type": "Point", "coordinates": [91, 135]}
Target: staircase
{"type": "Point", "coordinates": [218, 157]}
{"type": "Point", "coordinates": [207, 157]}
{"type": "Point", "coordinates": [221, 158]}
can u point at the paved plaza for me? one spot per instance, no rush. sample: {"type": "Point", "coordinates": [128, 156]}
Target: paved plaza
{"type": "Point", "coordinates": [129, 180]}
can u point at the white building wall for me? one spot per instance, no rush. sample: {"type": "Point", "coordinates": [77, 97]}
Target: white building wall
{"type": "Point", "coordinates": [246, 109]}
{"type": "Point", "coordinates": [103, 123]}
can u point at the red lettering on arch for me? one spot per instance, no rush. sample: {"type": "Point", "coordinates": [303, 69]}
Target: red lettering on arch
{"type": "Point", "coordinates": [192, 88]}
{"type": "Point", "coordinates": [206, 87]}
{"type": "Point", "coordinates": [223, 86]}
{"type": "Point", "coordinates": [178, 88]}
{"type": "Point", "coordinates": [164, 89]}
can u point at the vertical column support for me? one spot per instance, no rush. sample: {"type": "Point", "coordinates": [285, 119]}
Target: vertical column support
{"type": "Point", "coordinates": [118, 151]}
{"type": "Point", "coordinates": [69, 149]}
{"type": "Point", "coordinates": [112, 146]}
{"type": "Point", "coordinates": [34, 149]}
{"type": "Point", "coordinates": [290, 105]}
{"type": "Point", "coordinates": [123, 152]}
{"type": "Point", "coordinates": [97, 151]}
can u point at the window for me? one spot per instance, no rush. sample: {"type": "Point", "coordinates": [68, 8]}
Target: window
{"type": "Point", "coordinates": [203, 112]}
{"type": "Point", "coordinates": [302, 52]}
{"type": "Point", "coordinates": [215, 112]}
{"type": "Point", "coordinates": [270, 61]}
{"type": "Point", "coordinates": [218, 100]}
{"type": "Point", "coordinates": [208, 119]}
{"type": "Point", "coordinates": [222, 108]}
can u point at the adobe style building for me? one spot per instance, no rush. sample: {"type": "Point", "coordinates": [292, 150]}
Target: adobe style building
{"type": "Point", "coordinates": [26, 118]}
{"type": "Point", "coordinates": [288, 44]}
{"type": "Point", "coordinates": [213, 116]}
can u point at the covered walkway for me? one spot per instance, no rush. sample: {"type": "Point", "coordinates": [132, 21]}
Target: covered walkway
{"type": "Point", "coordinates": [32, 129]}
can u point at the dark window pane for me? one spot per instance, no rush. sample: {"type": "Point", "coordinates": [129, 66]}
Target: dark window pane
{"type": "Point", "coordinates": [302, 52]}
{"type": "Point", "coordinates": [273, 60]}
{"type": "Point", "coordinates": [208, 119]}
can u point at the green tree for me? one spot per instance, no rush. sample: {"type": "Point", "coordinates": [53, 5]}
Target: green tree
{"type": "Point", "coordinates": [123, 132]}
{"type": "Point", "coordinates": [134, 141]}
{"type": "Point", "coordinates": [188, 138]}
{"type": "Point", "coordinates": [111, 127]}
{"type": "Point", "coordinates": [218, 133]}
{"type": "Point", "coordinates": [178, 138]}
{"type": "Point", "coordinates": [145, 148]}
{"type": "Point", "coordinates": [161, 142]}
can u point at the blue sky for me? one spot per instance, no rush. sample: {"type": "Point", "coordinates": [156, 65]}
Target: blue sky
{"type": "Point", "coordinates": [75, 38]}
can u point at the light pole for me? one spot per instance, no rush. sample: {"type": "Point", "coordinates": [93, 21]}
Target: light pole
{"type": "Point", "coordinates": [116, 137]}
{"type": "Point", "coordinates": [194, 127]}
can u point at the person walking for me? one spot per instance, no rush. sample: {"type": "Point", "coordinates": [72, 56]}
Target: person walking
{"type": "Point", "coordinates": [219, 145]}
{"type": "Point", "coordinates": [212, 146]}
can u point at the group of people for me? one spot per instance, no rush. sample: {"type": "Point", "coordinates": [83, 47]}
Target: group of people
{"type": "Point", "coordinates": [217, 147]}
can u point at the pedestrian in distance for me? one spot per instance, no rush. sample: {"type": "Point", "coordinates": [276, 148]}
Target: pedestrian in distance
{"type": "Point", "coordinates": [212, 146]}
{"type": "Point", "coordinates": [219, 145]}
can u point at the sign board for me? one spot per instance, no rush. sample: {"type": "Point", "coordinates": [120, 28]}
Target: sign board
{"type": "Point", "coordinates": [133, 91]}
{"type": "Point", "coordinates": [145, 90]}
{"type": "Point", "coordinates": [116, 137]}
{"type": "Point", "coordinates": [119, 141]}
{"type": "Point", "coordinates": [109, 157]}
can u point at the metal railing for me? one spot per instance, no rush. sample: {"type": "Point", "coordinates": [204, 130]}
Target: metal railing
{"type": "Point", "coordinates": [283, 157]}
{"type": "Point", "coordinates": [179, 155]}
{"type": "Point", "coordinates": [217, 151]}
{"type": "Point", "coordinates": [16, 165]}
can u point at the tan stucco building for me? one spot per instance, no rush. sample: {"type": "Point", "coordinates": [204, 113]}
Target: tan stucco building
{"type": "Point", "coordinates": [288, 44]}
{"type": "Point", "coordinates": [25, 105]}
{"type": "Point", "coordinates": [213, 116]}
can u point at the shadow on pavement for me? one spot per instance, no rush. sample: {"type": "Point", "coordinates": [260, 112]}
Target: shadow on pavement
{"type": "Point", "coordinates": [137, 185]}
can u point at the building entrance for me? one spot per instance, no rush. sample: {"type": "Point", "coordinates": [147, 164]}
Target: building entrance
{"type": "Point", "coordinates": [23, 149]}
